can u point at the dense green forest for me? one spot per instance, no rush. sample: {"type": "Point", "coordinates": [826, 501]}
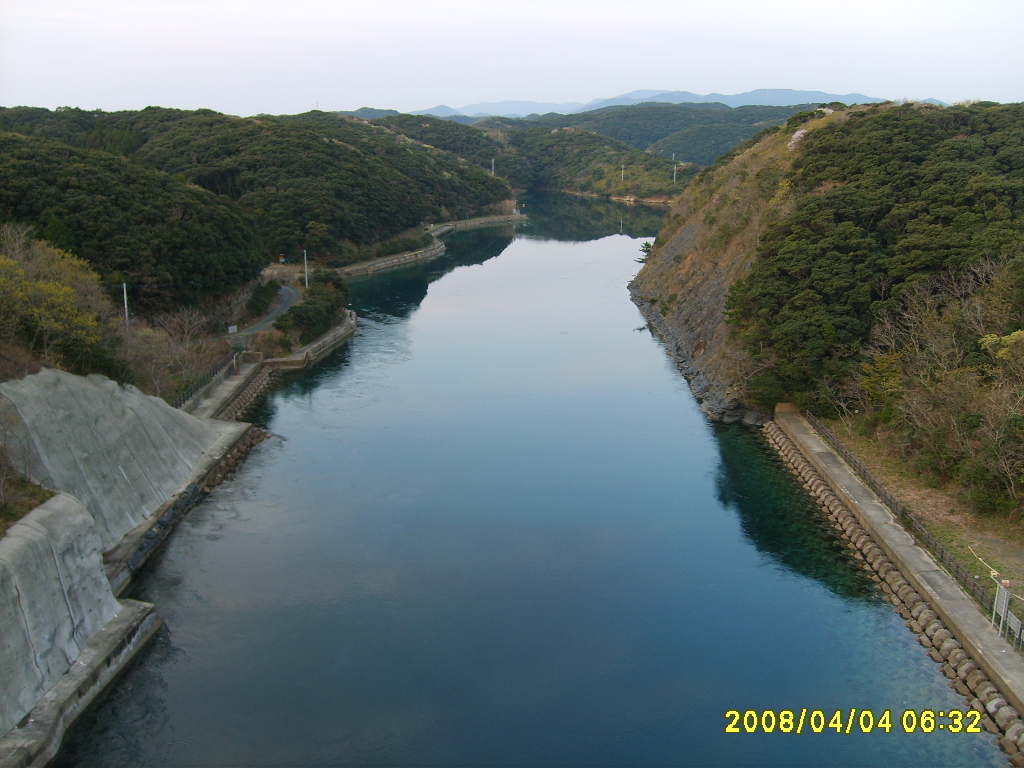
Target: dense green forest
{"type": "Point", "coordinates": [333, 185]}
{"type": "Point", "coordinates": [170, 239]}
{"type": "Point", "coordinates": [693, 133]}
{"type": "Point", "coordinates": [472, 144]}
{"type": "Point", "coordinates": [895, 285]}
{"type": "Point", "coordinates": [533, 158]}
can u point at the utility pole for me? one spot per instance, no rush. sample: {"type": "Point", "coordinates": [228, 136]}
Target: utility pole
{"type": "Point", "coordinates": [305, 266]}
{"type": "Point", "coordinates": [674, 169]}
{"type": "Point", "coordinates": [492, 166]}
{"type": "Point", "coordinates": [623, 176]}
{"type": "Point", "coordinates": [124, 290]}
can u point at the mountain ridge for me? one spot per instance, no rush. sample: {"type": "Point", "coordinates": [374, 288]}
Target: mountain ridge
{"type": "Point", "coordinates": [775, 97]}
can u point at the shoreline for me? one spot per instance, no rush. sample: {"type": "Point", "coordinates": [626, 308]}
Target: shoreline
{"type": "Point", "coordinates": [37, 737]}
{"type": "Point", "coordinates": [717, 403]}
{"type": "Point", "coordinates": [376, 266]}
{"type": "Point", "coordinates": [979, 663]}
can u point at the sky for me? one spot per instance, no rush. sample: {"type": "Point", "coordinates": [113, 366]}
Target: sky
{"type": "Point", "coordinates": [247, 57]}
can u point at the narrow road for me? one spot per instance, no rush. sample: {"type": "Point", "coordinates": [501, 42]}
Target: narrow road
{"type": "Point", "coordinates": [286, 297]}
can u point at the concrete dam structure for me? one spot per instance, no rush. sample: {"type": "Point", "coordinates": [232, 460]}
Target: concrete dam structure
{"type": "Point", "coordinates": [126, 467]}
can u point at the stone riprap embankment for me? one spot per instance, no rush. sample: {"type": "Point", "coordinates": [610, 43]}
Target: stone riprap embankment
{"type": "Point", "coordinates": [980, 665]}
{"type": "Point", "coordinates": [63, 634]}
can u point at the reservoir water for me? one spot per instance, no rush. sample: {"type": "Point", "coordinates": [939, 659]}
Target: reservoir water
{"type": "Point", "coordinates": [495, 529]}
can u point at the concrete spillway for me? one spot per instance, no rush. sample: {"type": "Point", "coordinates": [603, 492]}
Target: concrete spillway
{"type": "Point", "coordinates": [118, 451]}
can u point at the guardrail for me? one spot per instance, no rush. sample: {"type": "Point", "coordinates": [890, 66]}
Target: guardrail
{"type": "Point", "coordinates": [205, 379]}
{"type": "Point", "coordinates": [974, 587]}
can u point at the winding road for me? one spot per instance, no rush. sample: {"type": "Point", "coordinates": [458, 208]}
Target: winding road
{"type": "Point", "coordinates": [286, 297]}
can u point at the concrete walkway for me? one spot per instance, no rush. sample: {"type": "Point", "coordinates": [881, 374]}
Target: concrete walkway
{"type": "Point", "coordinates": [1003, 665]}
{"type": "Point", "coordinates": [226, 391]}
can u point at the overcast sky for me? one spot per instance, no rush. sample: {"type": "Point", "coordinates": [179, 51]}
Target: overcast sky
{"type": "Point", "coordinates": [249, 56]}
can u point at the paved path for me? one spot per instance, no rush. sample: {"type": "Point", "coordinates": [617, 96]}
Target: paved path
{"type": "Point", "coordinates": [287, 296]}
{"type": "Point", "coordinates": [958, 612]}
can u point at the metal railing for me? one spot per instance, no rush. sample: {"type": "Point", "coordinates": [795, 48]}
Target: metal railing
{"type": "Point", "coordinates": [205, 379]}
{"type": "Point", "coordinates": [995, 604]}
{"type": "Point", "coordinates": [973, 585]}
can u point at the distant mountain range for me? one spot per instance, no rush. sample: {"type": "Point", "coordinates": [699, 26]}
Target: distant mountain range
{"type": "Point", "coordinates": [774, 97]}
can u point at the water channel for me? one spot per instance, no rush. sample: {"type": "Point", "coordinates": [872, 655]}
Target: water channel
{"type": "Point", "coordinates": [496, 530]}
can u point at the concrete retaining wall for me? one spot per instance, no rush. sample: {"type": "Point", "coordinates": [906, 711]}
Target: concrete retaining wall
{"type": "Point", "coordinates": [315, 350]}
{"type": "Point", "coordinates": [54, 597]}
{"type": "Point", "coordinates": [138, 466]}
{"type": "Point", "coordinates": [386, 263]}
{"type": "Point", "coordinates": [118, 451]}
{"type": "Point", "coordinates": [36, 739]}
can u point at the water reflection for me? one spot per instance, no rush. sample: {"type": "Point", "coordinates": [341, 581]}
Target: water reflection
{"type": "Point", "coordinates": [554, 216]}
{"type": "Point", "coordinates": [497, 530]}
{"type": "Point", "coordinates": [779, 517]}
{"type": "Point", "coordinates": [394, 295]}
{"type": "Point", "coordinates": [387, 299]}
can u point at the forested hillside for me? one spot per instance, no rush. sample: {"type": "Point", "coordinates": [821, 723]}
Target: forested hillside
{"type": "Point", "coordinates": [887, 278]}
{"type": "Point", "coordinates": [693, 133]}
{"type": "Point", "coordinates": [321, 182]}
{"type": "Point", "coordinates": [532, 158]}
{"type": "Point", "coordinates": [170, 239]}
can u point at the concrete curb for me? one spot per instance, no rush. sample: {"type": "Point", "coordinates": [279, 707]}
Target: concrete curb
{"type": "Point", "coordinates": [36, 740]}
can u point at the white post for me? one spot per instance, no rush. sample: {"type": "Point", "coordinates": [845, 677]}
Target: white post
{"type": "Point", "coordinates": [124, 290]}
{"type": "Point", "coordinates": [305, 267]}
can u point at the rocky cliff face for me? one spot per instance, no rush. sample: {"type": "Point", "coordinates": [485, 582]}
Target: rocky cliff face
{"type": "Point", "coordinates": [708, 242]}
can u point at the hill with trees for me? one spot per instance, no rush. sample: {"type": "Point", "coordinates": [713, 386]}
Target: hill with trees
{"type": "Point", "coordinates": [882, 273]}
{"type": "Point", "coordinates": [173, 241]}
{"type": "Point", "coordinates": [693, 133]}
{"type": "Point", "coordinates": [335, 186]}
{"type": "Point", "coordinates": [547, 159]}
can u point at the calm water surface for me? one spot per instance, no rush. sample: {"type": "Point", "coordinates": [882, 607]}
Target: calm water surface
{"type": "Point", "coordinates": [496, 530]}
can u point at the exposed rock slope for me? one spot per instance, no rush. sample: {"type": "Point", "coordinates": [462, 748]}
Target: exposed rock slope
{"type": "Point", "coordinates": [709, 240]}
